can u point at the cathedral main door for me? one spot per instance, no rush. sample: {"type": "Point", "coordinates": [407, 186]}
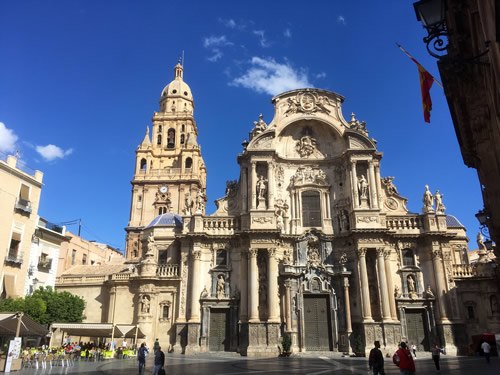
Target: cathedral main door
{"type": "Point", "coordinates": [317, 323]}
{"type": "Point", "coordinates": [416, 329]}
{"type": "Point", "coordinates": [218, 338]}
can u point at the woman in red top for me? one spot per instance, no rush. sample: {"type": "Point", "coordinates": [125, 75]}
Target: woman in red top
{"type": "Point", "coordinates": [406, 364]}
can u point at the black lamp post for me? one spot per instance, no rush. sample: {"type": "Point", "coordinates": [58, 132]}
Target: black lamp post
{"type": "Point", "coordinates": [432, 14]}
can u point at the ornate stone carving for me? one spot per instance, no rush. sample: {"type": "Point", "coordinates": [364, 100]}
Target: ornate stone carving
{"type": "Point", "coordinates": [437, 254]}
{"type": "Point", "coordinates": [252, 253]}
{"type": "Point", "coordinates": [343, 259]}
{"type": "Point", "coordinates": [196, 255]}
{"type": "Point", "coordinates": [287, 256]}
{"type": "Point", "coordinates": [357, 125]}
{"type": "Point", "coordinates": [145, 304]}
{"type": "Point", "coordinates": [380, 251]}
{"type": "Point", "coordinates": [309, 175]}
{"type": "Point", "coordinates": [306, 146]}
{"type": "Point", "coordinates": [279, 174]}
{"type": "Point", "coordinates": [366, 219]}
{"type": "Point", "coordinates": [389, 186]}
{"type": "Point", "coordinates": [262, 219]}
{"type": "Point", "coordinates": [307, 102]}
{"type": "Point", "coordinates": [361, 252]}
{"type": "Point", "coordinates": [428, 201]}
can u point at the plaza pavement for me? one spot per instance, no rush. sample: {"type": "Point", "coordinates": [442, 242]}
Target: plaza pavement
{"type": "Point", "coordinates": [305, 363]}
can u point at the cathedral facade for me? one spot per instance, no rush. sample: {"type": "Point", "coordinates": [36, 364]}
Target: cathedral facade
{"type": "Point", "coordinates": [311, 241]}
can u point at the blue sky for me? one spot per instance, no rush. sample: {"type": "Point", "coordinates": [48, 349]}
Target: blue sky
{"type": "Point", "coordinates": [80, 80]}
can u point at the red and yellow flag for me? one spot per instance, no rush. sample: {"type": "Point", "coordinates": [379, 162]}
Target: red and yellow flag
{"type": "Point", "coordinates": [426, 81]}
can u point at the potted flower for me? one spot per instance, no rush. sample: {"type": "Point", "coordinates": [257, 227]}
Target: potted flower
{"type": "Point", "coordinates": [286, 342]}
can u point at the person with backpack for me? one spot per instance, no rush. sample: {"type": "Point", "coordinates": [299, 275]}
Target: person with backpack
{"type": "Point", "coordinates": [376, 360]}
{"type": "Point", "coordinates": [404, 360]}
{"type": "Point", "coordinates": [141, 357]}
{"type": "Point", "coordinates": [159, 361]}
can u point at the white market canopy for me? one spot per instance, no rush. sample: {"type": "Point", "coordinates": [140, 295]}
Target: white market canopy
{"type": "Point", "coordinates": [9, 322]}
{"type": "Point", "coordinates": [98, 329]}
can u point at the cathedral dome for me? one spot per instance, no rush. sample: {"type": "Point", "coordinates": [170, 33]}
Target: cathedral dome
{"type": "Point", "coordinates": [166, 220]}
{"type": "Point", "coordinates": [177, 88]}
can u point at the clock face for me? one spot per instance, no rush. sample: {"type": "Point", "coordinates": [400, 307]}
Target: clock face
{"type": "Point", "coordinates": [163, 189]}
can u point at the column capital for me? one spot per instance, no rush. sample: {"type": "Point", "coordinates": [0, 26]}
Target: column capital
{"type": "Point", "coordinates": [387, 253]}
{"type": "Point", "coordinates": [361, 252]}
{"type": "Point", "coordinates": [437, 254]}
{"type": "Point", "coordinates": [380, 251]}
{"type": "Point", "coordinates": [271, 252]}
{"type": "Point", "coordinates": [252, 253]}
{"type": "Point", "coordinates": [346, 282]}
{"type": "Point", "coordinates": [196, 255]}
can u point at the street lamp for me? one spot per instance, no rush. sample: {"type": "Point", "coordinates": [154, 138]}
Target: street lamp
{"type": "Point", "coordinates": [483, 217]}
{"type": "Point", "coordinates": [432, 14]}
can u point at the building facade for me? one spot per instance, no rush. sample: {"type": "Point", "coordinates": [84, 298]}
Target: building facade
{"type": "Point", "coordinates": [20, 191]}
{"type": "Point", "coordinates": [310, 241]}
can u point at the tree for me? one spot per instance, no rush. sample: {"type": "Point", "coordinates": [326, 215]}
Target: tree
{"type": "Point", "coordinates": [47, 306]}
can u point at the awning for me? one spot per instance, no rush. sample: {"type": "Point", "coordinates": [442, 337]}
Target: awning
{"type": "Point", "coordinates": [98, 329]}
{"type": "Point", "coordinates": [9, 282]}
{"type": "Point", "coordinates": [28, 327]}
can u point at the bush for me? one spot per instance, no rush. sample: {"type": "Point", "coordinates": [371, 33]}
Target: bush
{"type": "Point", "coordinates": [286, 341]}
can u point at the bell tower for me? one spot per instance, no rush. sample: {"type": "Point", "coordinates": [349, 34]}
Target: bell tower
{"type": "Point", "coordinates": [169, 169]}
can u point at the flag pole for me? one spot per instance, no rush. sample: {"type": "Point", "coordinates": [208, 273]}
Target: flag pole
{"type": "Point", "coordinates": [416, 62]}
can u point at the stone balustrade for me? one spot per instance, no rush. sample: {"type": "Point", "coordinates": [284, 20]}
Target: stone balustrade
{"type": "Point", "coordinates": [81, 279]}
{"type": "Point", "coordinates": [404, 223]}
{"type": "Point", "coordinates": [462, 271]}
{"type": "Point", "coordinates": [167, 270]}
{"type": "Point", "coordinates": [221, 225]}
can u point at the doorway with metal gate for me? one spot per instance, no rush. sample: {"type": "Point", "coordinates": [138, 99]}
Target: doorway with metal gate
{"type": "Point", "coordinates": [416, 329]}
{"type": "Point", "coordinates": [317, 323]}
{"type": "Point", "coordinates": [218, 338]}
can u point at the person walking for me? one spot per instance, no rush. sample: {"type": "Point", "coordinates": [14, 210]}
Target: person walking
{"type": "Point", "coordinates": [156, 345]}
{"type": "Point", "coordinates": [376, 360]}
{"type": "Point", "coordinates": [486, 350]}
{"type": "Point", "coordinates": [436, 355]}
{"type": "Point", "coordinates": [406, 364]}
{"type": "Point", "coordinates": [414, 350]}
{"type": "Point", "coordinates": [141, 358]}
{"type": "Point", "coordinates": [159, 361]}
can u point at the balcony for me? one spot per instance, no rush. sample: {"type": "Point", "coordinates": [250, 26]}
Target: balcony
{"type": "Point", "coordinates": [23, 205]}
{"type": "Point", "coordinates": [45, 264]}
{"type": "Point", "coordinates": [13, 258]}
{"type": "Point", "coordinates": [167, 270]}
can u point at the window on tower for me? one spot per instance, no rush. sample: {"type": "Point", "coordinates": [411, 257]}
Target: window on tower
{"type": "Point", "coordinates": [182, 139]}
{"type": "Point", "coordinates": [162, 210]}
{"type": "Point", "coordinates": [159, 139]}
{"type": "Point", "coordinates": [171, 138]}
{"type": "Point", "coordinates": [311, 209]}
{"type": "Point", "coordinates": [189, 163]}
{"type": "Point", "coordinates": [144, 164]}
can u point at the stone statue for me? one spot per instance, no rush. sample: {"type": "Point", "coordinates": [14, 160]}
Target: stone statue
{"type": "Point", "coordinates": [188, 204]}
{"type": "Point", "coordinates": [362, 187]}
{"type": "Point", "coordinates": [411, 284]}
{"type": "Point", "coordinates": [261, 187]}
{"type": "Point", "coordinates": [480, 241]}
{"type": "Point", "coordinates": [200, 202]}
{"type": "Point", "coordinates": [221, 292]}
{"type": "Point", "coordinates": [204, 293]}
{"type": "Point", "coordinates": [145, 304]}
{"type": "Point", "coordinates": [428, 200]}
{"type": "Point", "coordinates": [428, 292]}
{"type": "Point", "coordinates": [438, 198]}
{"type": "Point", "coordinates": [396, 291]}
{"type": "Point", "coordinates": [279, 220]}
{"type": "Point", "coordinates": [151, 243]}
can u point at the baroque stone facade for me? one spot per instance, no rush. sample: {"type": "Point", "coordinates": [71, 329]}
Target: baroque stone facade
{"type": "Point", "coordinates": [310, 241]}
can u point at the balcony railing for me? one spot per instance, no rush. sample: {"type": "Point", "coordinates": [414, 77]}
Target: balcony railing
{"type": "Point", "coordinates": [23, 205]}
{"type": "Point", "coordinates": [221, 225]}
{"type": "Point", "coordinates": [14, 258]}
{"type": "Point", "coordinates": [464, 271]}
{"type": "Point", "coordinates": [167, 172]}
{"type": "Point", "coordinates": [404, 223]}
{"type": "Point", "coordinates": [167, 270]}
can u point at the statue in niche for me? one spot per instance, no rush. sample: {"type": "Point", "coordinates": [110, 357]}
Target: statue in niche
{"type": "Point", "coordinates": [344, 220]}
{"type": "Point", "coordinates": [428, 292]}
{"type": "Point", "coordinates": [200, 201]}
{"type": "Point", "coordinates": [363, 187]}
{"type": "Point", "coordinates": [261, 188]}
{"type": "Point", "coordinates": [188, 204]}
{"type": "Point", "coordinates": [221, 284]}
{"type": "Point", "coordinates": [438, 198]}
{"type": "Point", "coordinates": [411, 284]}
{"type": "Point", "coordinates": [145, 304]}
{"type": "Point", "coordinates": [428, 200]}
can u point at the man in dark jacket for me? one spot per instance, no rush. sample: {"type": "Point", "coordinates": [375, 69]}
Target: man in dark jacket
{"type": "Point", "coordinates": [159, 361]}
{"type": "Point", "coordinates": [141, 357]}
{"type": "Point", "coordinates": [376, 360]}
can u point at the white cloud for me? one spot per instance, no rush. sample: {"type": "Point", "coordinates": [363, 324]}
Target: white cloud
{"type": "Point", "coordinates": [321, 75]}
{"type": "Point", "coordinates": [216, 55]}
{"type": "Point", "coordinates": [262, 38]}
{"type": "Point", "coordinates": [52, 152]}
{"type": "Point", "coordinates": [287, 33]}
{"type": "Point", "coordinates": [341, 20]}
{"type": "Point", "coordinates": [8, 139]}
{"type": "Point", "coordinates": [216, 41]}
{"type": "Point", "coordinates": [271, 77]}
{"type": "Point", "coordinates": [230, 23]}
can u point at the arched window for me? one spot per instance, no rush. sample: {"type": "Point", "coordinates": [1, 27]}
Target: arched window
{"type": "Point", "coordinates": [171, 138]}
{"type": "Point", "coordinates": [159, 128]}
{"type": "Point", "coordinates": [183, 128]}
{"type": "Point", "coordinates": [158, 139]}
{"type": "Point", "coordinates": [408, 258]}
{"type": "Point", "coordinates": [189, 163]}
{"type": "Point", "coordinates": [144, 164]}
{"type": "Point", "coordinates": [311, 209]}
{"type": "Point", "coordinates": [182, 139]}
{"type": "Point", "coordinates": [221, 258]}
{"type": "Point", "coordinates": [162, 210]}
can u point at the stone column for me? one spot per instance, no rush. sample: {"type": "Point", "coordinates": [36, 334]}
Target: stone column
{"type": "Point", "coordinates": [195, 287]}
{"type": "Point", "coordinates": [354, 184]}
{"type": "Point", "coordinates": [288, 305]}
{"type": "Point", "coordinates": [439, 271]}
{"type": "Point", "coordinates": [373, 186]}
{"type": "Point", "coordinates": [253, 189]}
{"type": "Point", "coordinates": [390, 284]}
{"type": "Point", "coordinates": [270, 185]}
{"type": "Point", "coordinates": [379, 186]}
{"type": "Point", "coordinates": [365, 291]}
{"type": "Point", "coordinates": [272, 287]}
{"type": "Point", "coordinates": [348, 324]}
{"type": "Point", "coordinates": [244, 188]}
{"type": "Point", "coordinates": [112, 304]}
{"type": "Point", "coordinates": [386, 310]}
{"type": "Point", "coordinates": [253, 286]}
{"type": "Point", "coordinates": [243, 286]}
